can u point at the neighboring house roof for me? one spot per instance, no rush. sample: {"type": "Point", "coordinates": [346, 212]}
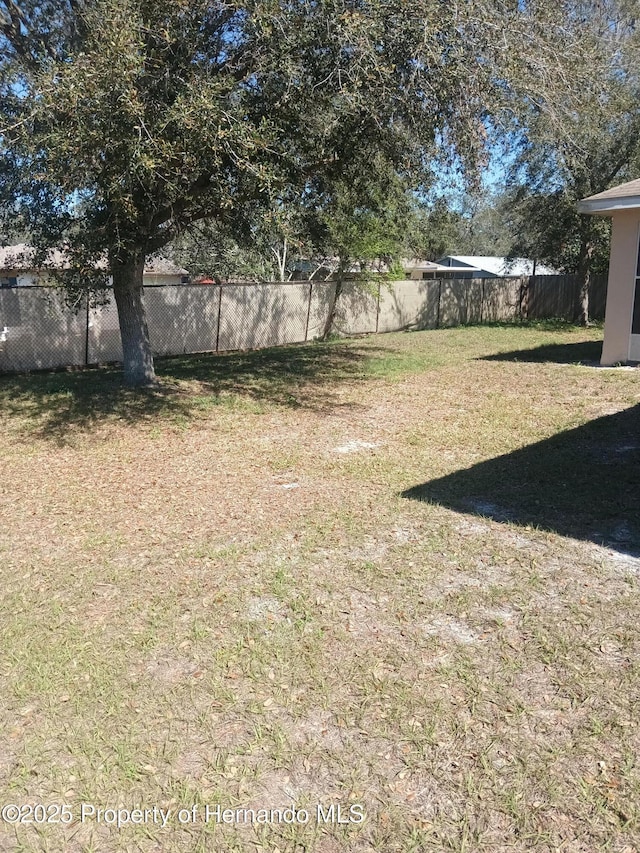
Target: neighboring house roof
{"type": "Point", "coordinates": [331, 264]}
{"type": "Point", "coordinates": [158, 265]}
{"type": "Point", "coordinates": [500, 266]}
{"type": "Point", "coordinates": [21, 257]}
{"type": "Point", "coordinates": [419, 265]}
{"type": "Point", "coordinates": [623, 197]}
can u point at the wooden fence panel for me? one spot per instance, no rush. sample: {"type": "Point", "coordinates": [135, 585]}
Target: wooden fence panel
{"type": "Point", "coordinates": [501, 300]}
{"type": "Point", "coordinates": [552, 296]}
{"type": "Point", "coordinates": [460, 302]}
{"type": "Point", "coordinates": [598, 296]}
{"type": "Point", "coordinates": [558, 296]}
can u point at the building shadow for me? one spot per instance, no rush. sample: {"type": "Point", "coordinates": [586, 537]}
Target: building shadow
{"type": "Point", "coordinates": [582, 352]}
{"type": "Point", "coordinates": [583, 483]}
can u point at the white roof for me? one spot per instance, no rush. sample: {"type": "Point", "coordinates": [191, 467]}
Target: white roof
{"type": "Point", "coordinates": [428, 266]}
{"type": "Point", "coordinates": [501, 266]}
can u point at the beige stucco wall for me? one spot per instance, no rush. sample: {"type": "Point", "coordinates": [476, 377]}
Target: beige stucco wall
{"type": "Point", "coordinates": [153, 279]}
{"type": "Point", "coordinates": [26, 279]}
{"type": "Point", "coordinates": [622, 272]}
{"type": "Point", "coordinates": [32, 278]}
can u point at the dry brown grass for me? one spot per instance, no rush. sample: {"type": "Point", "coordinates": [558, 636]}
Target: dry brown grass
{"type": "Point", "coordinates": [204, 601]}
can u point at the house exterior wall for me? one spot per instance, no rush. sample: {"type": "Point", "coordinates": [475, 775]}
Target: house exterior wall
{"type": "Point", "coordinates": [33, 278]}
{"type": "Point", "coordinates": [622, 272]}
{"type": "Point", "coordinates": [151, 279]}
{"type": "Point", "coordinates": [22, 279]}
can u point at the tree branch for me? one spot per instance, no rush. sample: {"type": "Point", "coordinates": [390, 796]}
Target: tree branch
{"type": "Point", "coordinates": [171, 211]}
{"type": "Point", "coordinates": [166, 235]}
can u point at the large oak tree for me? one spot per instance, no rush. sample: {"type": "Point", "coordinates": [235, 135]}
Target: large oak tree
{"type": "Point", "coordinates": [123, 122]}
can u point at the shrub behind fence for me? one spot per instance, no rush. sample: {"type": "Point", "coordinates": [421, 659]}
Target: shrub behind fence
{"type": "Point", "coordinates": [38, 331]}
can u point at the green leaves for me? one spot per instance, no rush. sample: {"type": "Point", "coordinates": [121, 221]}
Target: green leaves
{"type": "Point", "coordinates": [161, 114]}
{"type": "Point", "coordinates": [578, 128]}
{"type": "Point", "coordinates": [165, 113]}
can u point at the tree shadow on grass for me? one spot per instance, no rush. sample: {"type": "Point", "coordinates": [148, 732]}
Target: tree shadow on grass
{"type": "Point", "coordinates": [582, 352]}
{"type": "Point", "coordinates": [50, 404]}
{"type": "Point", "coordinates": [583, 483]}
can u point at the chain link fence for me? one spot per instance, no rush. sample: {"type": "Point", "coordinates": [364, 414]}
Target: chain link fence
{"type": "Point", "coordinates": [39, 331]}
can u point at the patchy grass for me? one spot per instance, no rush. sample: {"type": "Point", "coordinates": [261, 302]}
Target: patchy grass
{"type": "Point", "coordinates": [399, 571]}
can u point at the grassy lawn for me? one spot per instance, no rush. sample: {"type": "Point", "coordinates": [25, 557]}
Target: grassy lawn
{"type": "Point", "coordinates": [398, 572]}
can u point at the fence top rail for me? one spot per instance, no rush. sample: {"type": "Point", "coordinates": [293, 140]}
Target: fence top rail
{"type": "Point", "coordinates": [382, 282]}
{"type": "Point", "coordinates": [155, 285]}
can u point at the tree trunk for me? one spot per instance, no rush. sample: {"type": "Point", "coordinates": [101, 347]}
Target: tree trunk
{"type": "Point", "coordinates": [331, 316]}
{"type": "Point", "coordinates": [281, 259]}
{"type": "Point", "coordinates": [136, 347]}
{"type": "Point", "coordinates": [587, 248]}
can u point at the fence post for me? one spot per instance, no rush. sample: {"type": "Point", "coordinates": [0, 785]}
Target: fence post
{"type": "Point", "coordinates": [378, 309]}
{"type": "Point", "coordinates": [439, 298]}
{"type": "Point", "coordinates": [306, 328]}
{"type": "Point", "coordinates": [86, 335]}
{"type": "Point", "coordinates": [531, 290]}
{"type": "Point", "coordinates": [219, 315]}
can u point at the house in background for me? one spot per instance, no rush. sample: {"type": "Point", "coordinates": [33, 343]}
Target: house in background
{"type": "Point", "coordinates": [419, 270]}
{"type": "Point", "coordinates": [17, 268]}
{"type": "Point", "coordinates": [622, 314]}
{"type": "Point", "coordinates": [159, 270]}
{"type": "Point", "coordinates": [489, 266]}
{"type": "Point", "coordinates": [325, 269]}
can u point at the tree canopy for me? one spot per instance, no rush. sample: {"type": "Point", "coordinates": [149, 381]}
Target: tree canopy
{"type": "Point", "coordinates": [576, 135]}
{"type": "Point", "coordinates": [123, 122]}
